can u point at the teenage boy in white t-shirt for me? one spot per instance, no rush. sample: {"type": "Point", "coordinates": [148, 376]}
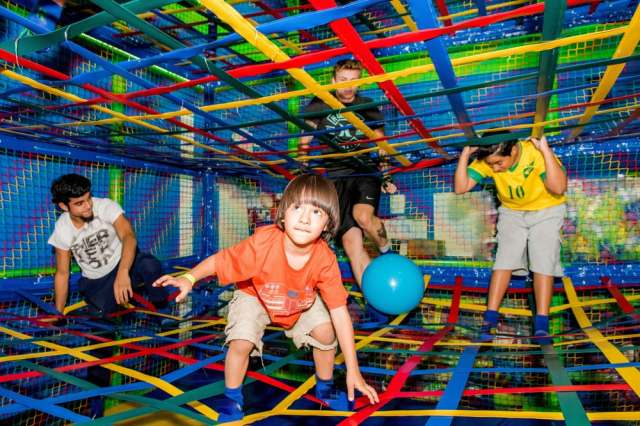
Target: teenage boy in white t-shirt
{"type": "Point", "coordinates": [101, 239]}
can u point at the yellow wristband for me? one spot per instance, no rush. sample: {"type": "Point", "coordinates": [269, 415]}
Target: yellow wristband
{"type": "Point", "coordinates": [189, 278]}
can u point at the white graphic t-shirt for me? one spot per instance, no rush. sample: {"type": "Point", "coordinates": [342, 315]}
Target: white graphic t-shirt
{"type": "Point", "coordinates": [96, 246]}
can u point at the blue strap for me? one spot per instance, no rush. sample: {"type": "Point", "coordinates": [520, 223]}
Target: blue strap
{"type": "Point", "coordinates": [426, 17]}
{"type": "Point", "coordinates": [43, 405]}
{"type": "Point", "coordinates": [47, 307]}
{"type": "Point", "coordinates": [455, 388]}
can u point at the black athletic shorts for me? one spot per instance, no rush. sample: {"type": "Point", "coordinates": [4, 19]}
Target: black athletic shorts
{"type": "Point", "coordinates": [352, 191]}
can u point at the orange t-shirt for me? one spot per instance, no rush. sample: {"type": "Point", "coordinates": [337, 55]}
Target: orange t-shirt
{"type": "Point", "coordinates": [259, 267]}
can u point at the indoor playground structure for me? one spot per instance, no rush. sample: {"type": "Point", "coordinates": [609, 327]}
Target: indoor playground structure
{"type": "Point", "coordinates": [189, 114]}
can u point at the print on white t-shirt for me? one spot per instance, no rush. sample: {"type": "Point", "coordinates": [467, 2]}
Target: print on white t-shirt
{"type": "Point", "coordinates": [96, 246]}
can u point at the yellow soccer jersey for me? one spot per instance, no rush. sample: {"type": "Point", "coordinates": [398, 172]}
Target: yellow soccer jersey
{"type": "Point", "coordinates": [522, 186]}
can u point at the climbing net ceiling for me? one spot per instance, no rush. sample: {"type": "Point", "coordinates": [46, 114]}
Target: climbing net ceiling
{"type": "Point", "coordinates": [223, 85]}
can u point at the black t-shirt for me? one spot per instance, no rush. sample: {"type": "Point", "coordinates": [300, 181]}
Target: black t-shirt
{"type": "Point", "coordinates": [345, 132]}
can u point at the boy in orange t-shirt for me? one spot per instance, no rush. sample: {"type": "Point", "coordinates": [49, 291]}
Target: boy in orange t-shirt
{"type": "Point", "coordinates": [279, 271]}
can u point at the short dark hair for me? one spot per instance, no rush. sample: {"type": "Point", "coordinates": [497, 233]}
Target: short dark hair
{"type": "Point", "coordinates": [346, 64]}
{"type": "Point", "coordinates": [69, 186]}
{"type": "Point", "coordinates": [314, 190]}
{"type": "Point", "coordinates": [502, 148]}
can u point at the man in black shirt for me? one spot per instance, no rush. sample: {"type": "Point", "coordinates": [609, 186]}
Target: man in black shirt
{"type": "Point", "coordinates": [358, 189]}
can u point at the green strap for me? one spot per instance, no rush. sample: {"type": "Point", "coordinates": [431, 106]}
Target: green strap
{"type": "Point", "coordinates": [572, 409]}
{"type": "Point", "coordinates": [553, 20]}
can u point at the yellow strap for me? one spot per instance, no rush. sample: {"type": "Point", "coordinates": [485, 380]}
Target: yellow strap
{"type": "Point", "coordinates": [540, 415]}
{"type": "Point", "coordinates": [406, 16]}
{"type": "Point", "coordinates": [74, 307]}
{"type": "Point", "coordinates": [631, 375]}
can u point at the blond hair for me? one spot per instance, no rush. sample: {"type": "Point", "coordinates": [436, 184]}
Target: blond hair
{"type": "Point", "coordinates": [346, 64]}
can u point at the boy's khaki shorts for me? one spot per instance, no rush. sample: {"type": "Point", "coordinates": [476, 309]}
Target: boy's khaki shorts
{"type": "Point", "coordinates": [247, 320]}
{"type": "Point", "coordinates": [530, 240]}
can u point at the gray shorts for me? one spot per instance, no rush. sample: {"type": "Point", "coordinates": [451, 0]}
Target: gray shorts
{"type": "Point", "coordinates": [530, 240]}
{"type": "Point", "coordinates": [247, 320]}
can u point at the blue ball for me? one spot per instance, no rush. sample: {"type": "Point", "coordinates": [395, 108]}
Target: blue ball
{"type": "Point", "coordinates": [393, 284]}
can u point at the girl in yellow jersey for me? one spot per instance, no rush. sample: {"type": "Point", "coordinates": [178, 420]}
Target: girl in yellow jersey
{"type": "Point", "coordinates": [531, 183]}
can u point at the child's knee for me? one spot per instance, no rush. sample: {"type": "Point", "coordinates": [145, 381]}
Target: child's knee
{"type": "Point", "coordinates": [324, 334]}
{"type": "Point", "coordinates": [241, 347]}
{"type": "Point", "coordinates": [364, 219]}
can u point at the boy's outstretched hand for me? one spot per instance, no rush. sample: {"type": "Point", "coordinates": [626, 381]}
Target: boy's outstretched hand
{"type": "Point", "coordinates": [181, 283]}
{"type": "Point", "coordinates": [541, 144]}
{"type": "Point", "coordinates": [356, 381]}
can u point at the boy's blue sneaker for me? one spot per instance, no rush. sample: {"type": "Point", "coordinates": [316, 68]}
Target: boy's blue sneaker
{"type": "Point", "coordinates": [541, 327]}
{"type": "Point", "coordinates": [228, 410]}
{"type": "Point", "coordinates": [336, 400]}
{"type": "Point", "coordinates": [543, 337]}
